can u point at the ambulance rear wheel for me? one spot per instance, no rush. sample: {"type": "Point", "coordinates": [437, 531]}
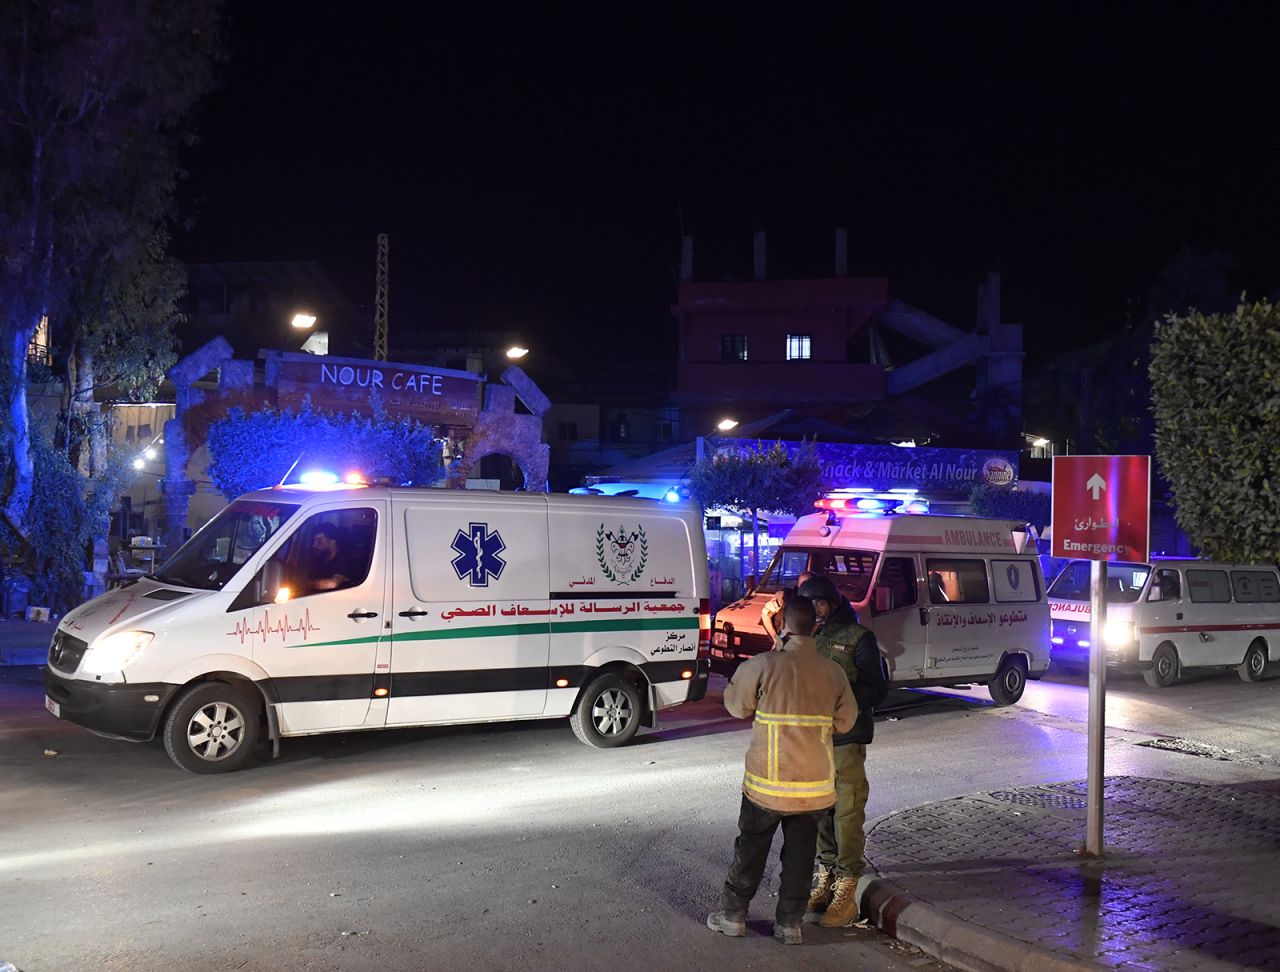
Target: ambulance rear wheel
{"type": "Point", "coordinates": [1164, 668]}
{"type": "Point", "coordinates": [607, 713]}
{"type": "Point", "coordinates": [1254, 665]}
{"type": "Point", "coordinates": [1006, 688]}
{"type": "Point", "coordinates": [212, 728]}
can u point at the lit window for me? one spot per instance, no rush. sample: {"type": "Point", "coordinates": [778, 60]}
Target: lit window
{"type": "Point", "coordinates": [797, 347]}
{"type": "Point", "coordinates": [733, 347]}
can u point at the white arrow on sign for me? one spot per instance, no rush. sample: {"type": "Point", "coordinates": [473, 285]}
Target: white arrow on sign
{"type": "Point", "coordinates": [1095, 485]}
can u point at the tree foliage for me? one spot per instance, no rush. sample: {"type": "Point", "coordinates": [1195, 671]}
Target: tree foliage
{"type": "Point", "coordinates": [92, 99]}
{"type": "Point", "coordinates": [1011, 504]}
{"type": "Point", "coordinates": [1215, 383]}
{"type": "Point", "coordinates": [251, 450]}
{"type": "Point", "coordinates": [763, 479]}
{"type": "Point", "coordinates": [72, 511]}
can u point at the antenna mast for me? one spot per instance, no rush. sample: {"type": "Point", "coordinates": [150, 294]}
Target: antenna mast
{"type": "Point", "coordinates": [380, 302]}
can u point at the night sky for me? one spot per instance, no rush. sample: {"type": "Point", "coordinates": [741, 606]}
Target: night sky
{"type": "Point", "coordinates": [536, 164]}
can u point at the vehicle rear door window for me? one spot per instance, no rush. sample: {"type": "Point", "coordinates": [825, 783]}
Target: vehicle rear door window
{"type": "Point", "coordinates": [1254, 586]}
{"type": "Point", "coordinates": [1014, 581]}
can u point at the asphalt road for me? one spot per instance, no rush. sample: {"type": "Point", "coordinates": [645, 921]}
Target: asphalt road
{"type": "Point", "coordinates": [502, 847]}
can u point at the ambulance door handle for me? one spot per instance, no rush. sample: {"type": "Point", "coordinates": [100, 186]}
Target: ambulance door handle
{"type": "Point", "coordinates": [414, 613]}
{"type": "Point", "coordinates": [357, 615]}
{"type": "Point", "coordinates": [924, 615]}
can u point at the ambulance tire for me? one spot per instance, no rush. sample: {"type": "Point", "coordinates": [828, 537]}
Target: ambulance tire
{"type": "Point", "coordinates": [1254, 666]}
{"type": "Point", "coordinates": [1006, 688]}
{"type": "Point", "coordinates": [608, 712]}
{"type": "Point", "coordinates": [212, 728]}
{"type": "Point", "coordinates": [1165, 667]}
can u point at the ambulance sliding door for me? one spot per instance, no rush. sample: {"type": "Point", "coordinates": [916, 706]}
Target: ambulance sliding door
{"type": "Point", "coordinates": [470, 613]}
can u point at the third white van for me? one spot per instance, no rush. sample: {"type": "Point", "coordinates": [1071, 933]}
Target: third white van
{"type": "Point", "coordinates": [1167, 616]}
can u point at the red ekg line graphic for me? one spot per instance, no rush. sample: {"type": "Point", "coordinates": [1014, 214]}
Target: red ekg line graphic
{"type": "Point", "coordinates": [283, 628]}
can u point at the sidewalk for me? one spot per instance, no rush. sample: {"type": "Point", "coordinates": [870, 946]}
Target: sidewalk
{"type": "Point", "coordinates": [25, 642]}
{"type": "Point", "coordinates": [993, 881]}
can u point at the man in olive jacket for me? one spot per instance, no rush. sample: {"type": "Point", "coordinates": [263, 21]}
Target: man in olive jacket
{"type": "Point", "coordinates": [798, 699]}
{"type": "Point", "coordinates": [841, 841]}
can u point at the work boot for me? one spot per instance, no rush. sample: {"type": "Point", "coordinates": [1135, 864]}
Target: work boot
{"type": "Point", "coordinates": [718, 921]}
{"type": "Point", "coordinates": [843, 910]}
{"type": "Point", "coordinates": [787, 934]}
{"type": "Point", "coordinates": [820, 897]}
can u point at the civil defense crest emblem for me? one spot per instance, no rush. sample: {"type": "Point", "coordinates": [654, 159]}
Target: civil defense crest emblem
{"type": "Point", "coordinates": [622, 553]}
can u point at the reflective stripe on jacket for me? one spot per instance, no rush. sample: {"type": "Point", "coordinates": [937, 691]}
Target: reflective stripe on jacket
{"type": "Point", "coordinates": [798, 699]}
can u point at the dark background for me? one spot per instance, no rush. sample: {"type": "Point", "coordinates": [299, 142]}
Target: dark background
{"type": "Point", "coordinates": [535, 165]}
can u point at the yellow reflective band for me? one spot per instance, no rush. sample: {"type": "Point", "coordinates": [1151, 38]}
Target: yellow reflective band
{"type": "Point", "coordinates": [789, 784]}
{"type": "Point", "coordinates": [788, 719]}
{"type": "Point", "coordinates": [791, 791]}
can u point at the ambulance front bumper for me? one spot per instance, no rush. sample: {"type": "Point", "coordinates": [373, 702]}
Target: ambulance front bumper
{"type": "Point", "coordinates": [130, 711]}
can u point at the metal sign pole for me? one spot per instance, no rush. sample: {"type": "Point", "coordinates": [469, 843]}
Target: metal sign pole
{"type": "Point", "coordinates": [1097, 707]}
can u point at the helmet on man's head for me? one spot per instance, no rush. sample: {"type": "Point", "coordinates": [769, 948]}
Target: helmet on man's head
{"type": "Point", "coordinates": [820, 588]}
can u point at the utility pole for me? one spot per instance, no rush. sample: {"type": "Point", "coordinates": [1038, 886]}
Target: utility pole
{"type": "Point", "coordinates": [380, 302]}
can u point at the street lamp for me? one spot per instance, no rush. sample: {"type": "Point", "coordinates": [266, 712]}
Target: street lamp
{"type": "Point", "coordinates": [727, 424]}
{"type": "Point", "coordinates": [516, 352]}
{"type": "Point", "coordinates": [303, 321]}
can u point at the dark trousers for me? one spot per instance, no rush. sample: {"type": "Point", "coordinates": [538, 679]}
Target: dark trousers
{"type": "Point", "coordinates": [756, 827]}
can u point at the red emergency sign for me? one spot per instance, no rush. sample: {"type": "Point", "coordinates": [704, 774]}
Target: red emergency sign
{"type": "Point", "coordinates": [1102, 507]}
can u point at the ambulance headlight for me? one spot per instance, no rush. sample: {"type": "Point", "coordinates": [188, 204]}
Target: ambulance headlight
{"type": "Point", "coordinates": [115, 652]}
{"type": "Point", "coordinates": [1117, 634]}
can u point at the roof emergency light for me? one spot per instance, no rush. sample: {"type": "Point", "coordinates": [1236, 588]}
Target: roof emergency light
{"type": "Point", "coordinates": [318, 477]}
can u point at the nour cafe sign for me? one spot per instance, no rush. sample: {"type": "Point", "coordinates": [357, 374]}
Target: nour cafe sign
{"type": "Point", "coordinates": [434, 396]}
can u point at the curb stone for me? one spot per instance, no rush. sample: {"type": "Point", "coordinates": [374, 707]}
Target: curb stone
{"type": "Point", "coordinates": [950, 939]}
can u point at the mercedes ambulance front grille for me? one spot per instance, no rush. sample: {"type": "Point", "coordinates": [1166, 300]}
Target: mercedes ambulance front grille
{"type": "Point", "coordinates": [65, 652]}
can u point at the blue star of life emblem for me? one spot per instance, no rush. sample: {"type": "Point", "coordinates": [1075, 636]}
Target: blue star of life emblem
{"type": "Point", "coordinates": [479, 554]}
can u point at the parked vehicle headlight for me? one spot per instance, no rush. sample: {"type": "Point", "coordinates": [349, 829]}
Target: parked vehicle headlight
{"type": "Point", "coordinates": [114, 652]}
{"type": "Point", "coordinates": [1117, 634]}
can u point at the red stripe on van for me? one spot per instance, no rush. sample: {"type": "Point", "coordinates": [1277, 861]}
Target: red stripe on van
{"type": "Point", "coordinates": [1184, 628]}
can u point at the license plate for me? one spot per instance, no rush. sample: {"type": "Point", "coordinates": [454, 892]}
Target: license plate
{"type": "Point", "coordinates": [53, 707]}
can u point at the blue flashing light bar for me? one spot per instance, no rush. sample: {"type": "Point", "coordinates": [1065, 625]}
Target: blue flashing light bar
{"type": "Point", "coordinates": [318, 477]}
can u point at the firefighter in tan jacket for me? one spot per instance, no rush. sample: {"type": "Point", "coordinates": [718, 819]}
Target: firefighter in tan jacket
{"type": "Point", "coordinates": [798, 699]}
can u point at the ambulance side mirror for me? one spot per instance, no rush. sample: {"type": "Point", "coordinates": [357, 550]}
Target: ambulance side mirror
{"type": "Point", "coordinates": [883, 599]}
{"type": "Point", "coordinates": [270, 581]}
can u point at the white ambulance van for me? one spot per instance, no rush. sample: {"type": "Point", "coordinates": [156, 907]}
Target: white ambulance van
{"type": "Point", "coordinates": [308, 610]}
{"type": "Point", "coordinates": [952, 599]}
{"type": "Point", "coordinates": [1171, 615]}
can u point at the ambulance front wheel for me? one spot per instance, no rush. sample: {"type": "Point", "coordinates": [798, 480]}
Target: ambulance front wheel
{"type": "Point", "coordinates": [607, 713]}
{"type": "Point", "coordinates": [1006, 688]}
{"type": "Point", "coordinates": [212, 728]}
{"type": "Point", "coordinates": [1165, 668]}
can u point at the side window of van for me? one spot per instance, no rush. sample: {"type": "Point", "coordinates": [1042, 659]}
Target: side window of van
{"type": "Point", "coordinates": [1209, 586]}
{"type": "Point", "coordinates": [1167, 586]}
{"type": "Point", "coordinates": [330, 551]}
{"type": "Point", "coordinates": [896, 587]}
{"type": "Point", "coordinates": [957, 581]}
{"type": "Point", "coordinates": [1254, 586]}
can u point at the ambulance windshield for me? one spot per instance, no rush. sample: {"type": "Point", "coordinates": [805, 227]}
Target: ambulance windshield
{"type": "Point", "coordinates": [213, 556]}
{"type": "Point", "coordinates": [1124, 582]}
